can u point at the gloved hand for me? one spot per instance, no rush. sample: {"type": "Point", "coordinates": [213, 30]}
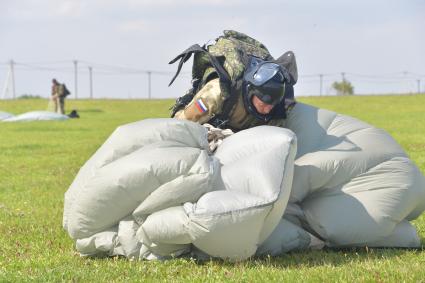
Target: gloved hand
{"type": "Point", "coordinates": [216, 136]}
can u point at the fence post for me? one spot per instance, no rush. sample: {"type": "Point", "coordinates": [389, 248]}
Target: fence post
{"type": "Point", "coordinates": [91, 82]}
{"type": "Point", "coordinates": [76, 78]}
{"type": "Point", "coordinates": [12, 77]}
{"type": "Point", "coordinates": [149, 85]}
{"type": "Point", "coordinates": [321, 83]}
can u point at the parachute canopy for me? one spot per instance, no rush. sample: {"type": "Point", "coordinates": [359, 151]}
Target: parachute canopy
{"type": "Point", "coordinates": [153, 190]}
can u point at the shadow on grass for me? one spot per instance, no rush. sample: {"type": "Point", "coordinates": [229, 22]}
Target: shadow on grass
{"type": "Point", "coordinates": [326, 257]}
{"type": "Point", "coordinates": [293, 260]}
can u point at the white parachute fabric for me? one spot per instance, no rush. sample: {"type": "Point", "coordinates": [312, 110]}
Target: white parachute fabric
{"type": "Point", "coordinates": [5, 115]}
{"type": "Point", "coordinates": [36, 116]}
{"type": "Point", "coordinates": [354, 184]}
{"type": "Point", "coordinates": [153, 190]}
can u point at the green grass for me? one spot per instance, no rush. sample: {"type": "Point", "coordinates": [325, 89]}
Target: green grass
{"type": "Point", "coordinates": [38, 161]}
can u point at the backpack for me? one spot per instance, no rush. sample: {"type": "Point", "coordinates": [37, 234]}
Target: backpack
{"type": "Point", "coordinates": [226, 59]}
{"type": "Point", "coordinates": [66, 91]}
{"type": "Point", "coordinates": [73, 114]}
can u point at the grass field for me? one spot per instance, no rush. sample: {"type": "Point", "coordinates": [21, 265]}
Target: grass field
{"type": "Point", "coordinates": [38, 161]}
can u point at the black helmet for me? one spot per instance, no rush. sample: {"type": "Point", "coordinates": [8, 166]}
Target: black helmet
{"type": "Point", "coordinates": [266, 80]}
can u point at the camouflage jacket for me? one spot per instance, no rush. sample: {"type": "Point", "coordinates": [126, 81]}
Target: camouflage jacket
{"type": "Point", "coordinates": [209, 101]}
{"type": "Point", "coordinates": [58, 89]}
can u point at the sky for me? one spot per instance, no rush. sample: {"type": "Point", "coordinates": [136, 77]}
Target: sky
{"type": "Point", "coordinates": [379, 45]}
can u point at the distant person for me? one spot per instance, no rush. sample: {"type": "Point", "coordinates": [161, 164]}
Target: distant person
{"type": "Point", "coordinates": [59, 93]}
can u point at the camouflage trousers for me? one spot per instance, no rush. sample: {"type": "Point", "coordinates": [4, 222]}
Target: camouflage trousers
{"type": "Point", "coordinates": [59, 105]}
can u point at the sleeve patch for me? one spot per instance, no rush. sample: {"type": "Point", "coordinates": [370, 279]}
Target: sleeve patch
{"type": "Point", "coordinates": [201, 106]}
{"type": "Point", "coordinates": [195, 110]}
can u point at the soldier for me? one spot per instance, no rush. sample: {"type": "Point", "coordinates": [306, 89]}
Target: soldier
{"type": "Point", "coordinates": [241, 95]}
{"type": "Point", "coordinates": [58, 96]}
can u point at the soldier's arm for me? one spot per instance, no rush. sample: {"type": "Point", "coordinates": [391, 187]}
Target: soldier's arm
{"type": "Point", "coordinates": [60, 90]}
{"type": "Point", "coordinates": [204, 105]}
{"type": "Point", "coordinates": [54, 90]}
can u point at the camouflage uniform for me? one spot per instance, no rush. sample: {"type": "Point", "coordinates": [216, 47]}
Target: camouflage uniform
{"type": "Point", "coordinates": [211, 96]}
{"type": "Point", "coordinates": [58, 91]}
{"type": "Point", "coordinates": [213, 88]}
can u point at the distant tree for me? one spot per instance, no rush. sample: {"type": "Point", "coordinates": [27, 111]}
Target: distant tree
{"type": "Point", "coordinates": [29, 96]}
{"type": "Point", "coordinates": [343, 88]}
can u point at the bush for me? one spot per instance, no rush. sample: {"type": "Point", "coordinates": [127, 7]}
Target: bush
{"type": "Point", "coordinates": [29, 96]}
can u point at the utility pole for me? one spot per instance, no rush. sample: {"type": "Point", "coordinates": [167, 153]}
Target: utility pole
{"type": "Point", "coordinates": [419, 86]}
{"type": "Point", "coordinates": [12, 78]}
{"type": "Point", "coordinates": [6, 85]}
{"type": "Point", "coordinates": [321, 83]}
{"type": "Point", "coordinates": [91, 82]}
{"type": "Point", "coordinates": [343, 76]}
{"type": "Point", "coordinates": [76, 78]}
{"type": "Point", "coordinates": [3, 93]}
{"type": "Point", "coordinates": [149, 84]}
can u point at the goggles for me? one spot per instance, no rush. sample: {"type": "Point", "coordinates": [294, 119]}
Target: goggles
{"type": "Point", "coordinates": [260, 72]}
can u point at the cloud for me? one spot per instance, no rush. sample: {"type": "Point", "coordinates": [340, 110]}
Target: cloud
{"type": "Point", "coordinates": [173, 3]}
{"type": "Point", "coordinates": [133, 26]}
{"type": "Point", "coordinates": [43, 10]}
{"type": "Point", "coordinates": [327, 36]}
{"type": "Point", "coordinates": [70, 8]}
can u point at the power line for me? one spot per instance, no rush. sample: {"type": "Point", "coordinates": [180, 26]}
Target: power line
{"type": "Point", "coordinates": [321, 80]}
{"type": "Point", "coordinates": [106, 68]}
{"type": "Point", "coordinates": [41, 68]}
{"type": "Point", "coordinates": [49, 62]}
{"type": "Point", "coordinates": [317, 75]}
{"type": "Point", "coordinates": [126, 69]}
{"type": "Point", "coordinates": [401, 75]}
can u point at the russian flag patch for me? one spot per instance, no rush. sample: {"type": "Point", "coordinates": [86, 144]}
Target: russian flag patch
{"type": "Point", "coordinates": [201, 106]}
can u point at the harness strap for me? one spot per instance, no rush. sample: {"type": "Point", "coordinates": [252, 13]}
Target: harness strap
{"type": "Point", "coordinates": [185, 55]}
{"type": "Point", "coordinates": [220, 120]}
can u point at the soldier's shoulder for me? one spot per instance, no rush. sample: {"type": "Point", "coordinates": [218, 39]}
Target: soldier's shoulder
{"type": "Point", "coordinates": [213, 84]}
{"type": "Point", "coordinates": [210, 89]}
